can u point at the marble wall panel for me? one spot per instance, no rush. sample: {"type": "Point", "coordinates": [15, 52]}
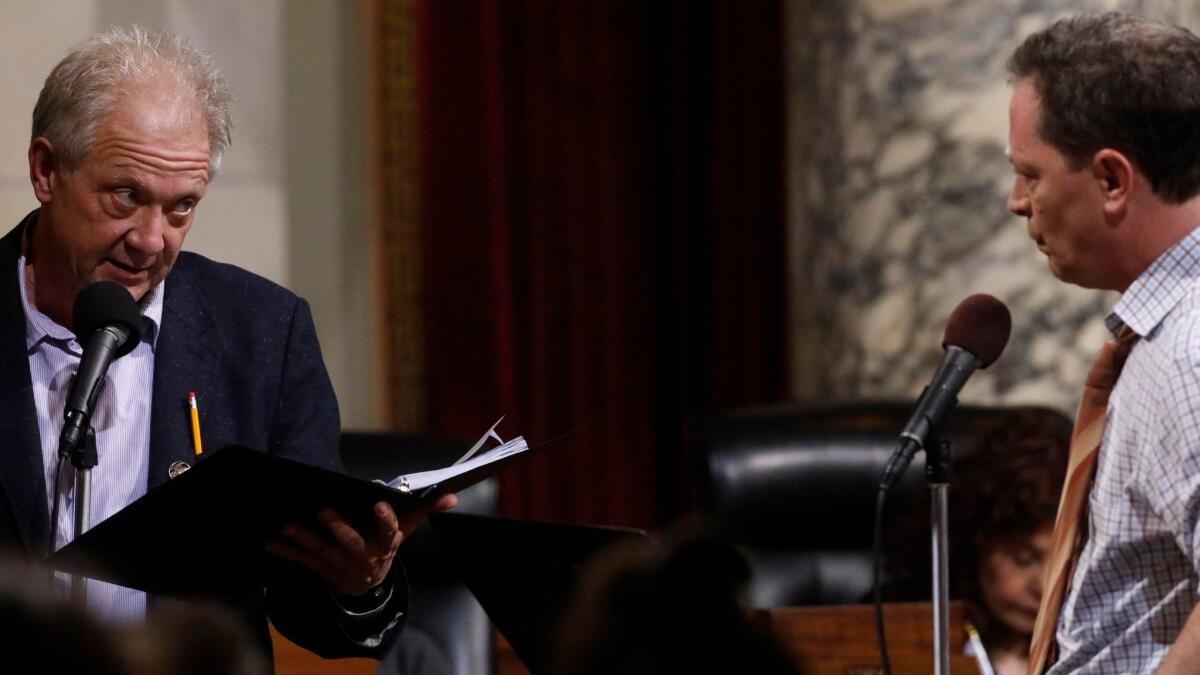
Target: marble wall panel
{"type": "Point", "coordinates": [897, 186]}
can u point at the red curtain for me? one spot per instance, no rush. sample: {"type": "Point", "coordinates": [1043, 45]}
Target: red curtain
{"type": "Point", "coordinates": [603, 237]}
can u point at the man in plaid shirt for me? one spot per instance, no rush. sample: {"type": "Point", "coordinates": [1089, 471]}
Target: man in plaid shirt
{"type": "Point", "coordinates": [1104, 138]}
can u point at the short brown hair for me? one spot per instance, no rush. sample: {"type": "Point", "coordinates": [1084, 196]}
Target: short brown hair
{"type": "Point", "coordinates": [1119, 81]}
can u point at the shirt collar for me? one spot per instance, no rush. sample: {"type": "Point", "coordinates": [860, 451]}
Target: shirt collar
{"type": "Point", "coordinates": [1158, 289]}
{"type": "Point", "coordinates": [39, 327]}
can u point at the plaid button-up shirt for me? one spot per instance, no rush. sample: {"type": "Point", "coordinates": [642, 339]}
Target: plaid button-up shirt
{"type": "Point", "coordinates": [1136, 580]}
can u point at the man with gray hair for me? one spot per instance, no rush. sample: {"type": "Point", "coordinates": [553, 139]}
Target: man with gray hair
{"type": "Point", "coordinates": [128, 132]}
{"type": "Point", "coordinates": [1104, 138]}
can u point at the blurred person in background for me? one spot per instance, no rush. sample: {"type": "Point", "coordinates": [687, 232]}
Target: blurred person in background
{"type": "Point", "coordinates": [196, 638]}
{"type": "Point", "coordinates": [640, 609]}
{"type": "Point", "coordinates": [40, 632]}
{"type": "Point", "coordinates": [1003, 501]}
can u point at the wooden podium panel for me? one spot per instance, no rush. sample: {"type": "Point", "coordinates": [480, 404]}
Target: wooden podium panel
{"type": "Point", "coordinates": [507, 662]}
{"type": "Point", "coordinates": [292, 659]}
{"type": "Point", "coordinates": [841, 640]}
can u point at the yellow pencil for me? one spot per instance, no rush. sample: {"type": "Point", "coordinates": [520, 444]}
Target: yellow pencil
{"type": "Point", "coordinates": [195, 423]}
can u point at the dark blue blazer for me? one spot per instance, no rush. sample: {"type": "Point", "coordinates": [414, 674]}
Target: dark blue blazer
{"type": "Point", "coordinates": [248, 348]}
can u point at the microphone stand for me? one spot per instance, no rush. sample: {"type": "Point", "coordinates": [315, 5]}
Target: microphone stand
{"type": "Point", "coordinates": [937, 475]}
{"type": "Point", "coordinates": [84, 458]}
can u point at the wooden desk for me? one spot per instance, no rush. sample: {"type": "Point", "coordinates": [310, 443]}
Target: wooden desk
{"type": "Point", "coordinates": [507, 662]}
{"type": "Point", "coordinates": [836, 640]}
{"type": "Point", "coordinates": [292, 659]}
{"type": "Point", "coordinates": [840, 640]}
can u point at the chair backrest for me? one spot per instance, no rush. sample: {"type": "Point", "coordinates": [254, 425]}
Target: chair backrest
{"type": "Point", "coordinates": [443, 614]}
{"type": "Point", "coordinates": [796, 487]}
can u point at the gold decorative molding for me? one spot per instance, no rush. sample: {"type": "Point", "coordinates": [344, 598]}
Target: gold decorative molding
{"type": "Point", "coordinates": [392, 25]}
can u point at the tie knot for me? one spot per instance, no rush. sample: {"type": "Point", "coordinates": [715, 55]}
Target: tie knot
{"type": "Point", "coordinates": [1111, 359]}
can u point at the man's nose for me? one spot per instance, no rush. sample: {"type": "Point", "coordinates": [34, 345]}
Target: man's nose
{"type": "Point", "coordinates": [146, 236]}
{"type": "Point", "coordinates": [1018, 200]}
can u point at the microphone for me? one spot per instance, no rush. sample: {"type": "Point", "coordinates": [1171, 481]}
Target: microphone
{"type": "Point", "coordinates": [108, 324]}
{"type": "Point", "coordinates": [976, 333]}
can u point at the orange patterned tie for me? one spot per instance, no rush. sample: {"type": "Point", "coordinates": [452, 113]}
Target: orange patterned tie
{"type": "Point", "coordinates": [1072, 514]}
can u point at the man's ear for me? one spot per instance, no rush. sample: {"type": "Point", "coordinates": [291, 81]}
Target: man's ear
{"type": "Point", "coordinates": [1115, 176]}
{"type": "Point", "coordinates": [43, 168]}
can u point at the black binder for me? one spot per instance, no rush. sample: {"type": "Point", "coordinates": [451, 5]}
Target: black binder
{"type": "Point", "coordinates": [203, 532]}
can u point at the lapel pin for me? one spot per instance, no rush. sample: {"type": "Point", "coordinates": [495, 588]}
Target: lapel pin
{"type": "Point", "coordinates": [177, 469]}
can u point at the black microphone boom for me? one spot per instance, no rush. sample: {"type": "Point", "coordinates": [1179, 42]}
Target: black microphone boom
{"type": "Point", "coordinates": [938, 398]}
{"type": "Point", "coordinates": [976, 333]}
{"type": "Point", "coordinates": [108, 325]}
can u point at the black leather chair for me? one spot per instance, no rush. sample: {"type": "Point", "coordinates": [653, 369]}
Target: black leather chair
{"type": "Point", "coordinates": [795, 486]}
{"type": "Point", "coordinates": [443, 615]}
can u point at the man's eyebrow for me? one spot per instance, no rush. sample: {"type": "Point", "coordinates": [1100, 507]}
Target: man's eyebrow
{"type": "Point", "coordinates": [123, 179]}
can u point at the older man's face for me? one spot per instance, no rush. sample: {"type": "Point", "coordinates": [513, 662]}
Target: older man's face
{"type": "Point", "coordinates": [123, 213]}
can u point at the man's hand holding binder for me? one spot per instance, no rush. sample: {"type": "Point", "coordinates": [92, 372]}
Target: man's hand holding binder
{"type": "Point", "coordinates": [353, 562]}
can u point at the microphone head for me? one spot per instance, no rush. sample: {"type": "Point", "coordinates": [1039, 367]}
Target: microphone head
{"type": "Point", "coordinates": [981, 325]}
{"type": "Point", "coordinates": [107, 303]}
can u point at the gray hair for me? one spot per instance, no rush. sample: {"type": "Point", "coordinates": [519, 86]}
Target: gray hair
{"type": "Point", "coordinates": [86, 87]}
